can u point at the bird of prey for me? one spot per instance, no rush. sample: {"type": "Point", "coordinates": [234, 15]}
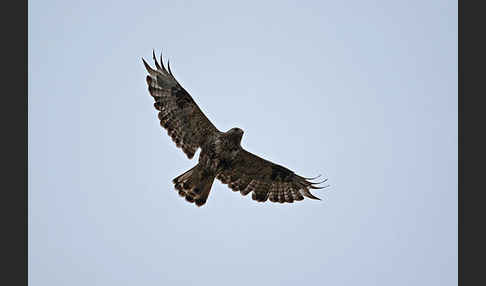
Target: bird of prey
{"type": "Point", "coordinates": [221, 155]}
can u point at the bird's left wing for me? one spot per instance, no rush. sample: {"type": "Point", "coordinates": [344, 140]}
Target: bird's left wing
{"type": "Point", "coordinates": [248, 173]}
{"type": "Point", "coordinates": [179, 114]}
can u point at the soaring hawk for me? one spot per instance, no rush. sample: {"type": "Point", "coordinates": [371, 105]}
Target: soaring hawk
{"type": "Point", "coordinates": [221, 155]}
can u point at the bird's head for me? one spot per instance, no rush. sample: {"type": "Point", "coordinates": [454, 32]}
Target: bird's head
{"type": "Point", "coordinates": [235, 134]}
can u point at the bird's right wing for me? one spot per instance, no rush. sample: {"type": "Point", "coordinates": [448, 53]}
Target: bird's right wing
{"type": "Point", "coordinates": [179, 114]}
{"type": "Point", "coordinates": [248, 173]}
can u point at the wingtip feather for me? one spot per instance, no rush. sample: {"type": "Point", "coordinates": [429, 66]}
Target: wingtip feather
{"type": "Point", "coordinates": [155, 60]}
{"type": "Point", "coordinates": [148, 68]}
{"type": "Point", "coordinates": [162, 63]}
{"type": "Point", "coordinates": [168, 67]}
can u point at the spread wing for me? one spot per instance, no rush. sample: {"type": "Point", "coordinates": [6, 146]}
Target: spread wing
{"type": "Point", "coordinates": [268, 181]}
{"type": "Point", "coordinates": [184, 121]}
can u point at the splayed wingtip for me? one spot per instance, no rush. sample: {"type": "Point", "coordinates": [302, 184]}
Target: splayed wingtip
{"type": "Point", "coordinates": [148, 68]}
{"type": "Point", "coordinates": [155, 60]}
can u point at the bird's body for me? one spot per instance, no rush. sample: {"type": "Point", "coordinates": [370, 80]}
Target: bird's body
{"type": "Point", "coordinates": [221, 155]}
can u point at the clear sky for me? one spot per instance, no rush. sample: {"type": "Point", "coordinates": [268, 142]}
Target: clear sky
{"type": "Point", "coordinates": [362, 92]}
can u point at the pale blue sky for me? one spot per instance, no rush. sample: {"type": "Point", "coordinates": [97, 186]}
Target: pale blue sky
{"type": "Point", "coordinates": [362, 92]}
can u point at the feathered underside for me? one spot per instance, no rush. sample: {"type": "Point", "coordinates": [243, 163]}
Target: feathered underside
{"type": "Point", "coordinates": [184, 121]}
{"type": "Point", "coordinates": [190, 129]}
{"type": "Point", "coordinates": [249, 173]}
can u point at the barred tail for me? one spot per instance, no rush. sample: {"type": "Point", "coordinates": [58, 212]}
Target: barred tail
{"type": "Point", "coordinates": [195, 185]}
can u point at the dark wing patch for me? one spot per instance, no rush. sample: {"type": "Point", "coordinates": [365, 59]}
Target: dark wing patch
{"type": "Point", "coordinates": [280, 173]}
{"type": "Point", "coordinates": [266, 181]}
{"type": "Point", "coordinates": [184, 121]}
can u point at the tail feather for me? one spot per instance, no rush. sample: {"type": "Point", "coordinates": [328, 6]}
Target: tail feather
{"type": "Point", "coordinates": [194, 185]}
